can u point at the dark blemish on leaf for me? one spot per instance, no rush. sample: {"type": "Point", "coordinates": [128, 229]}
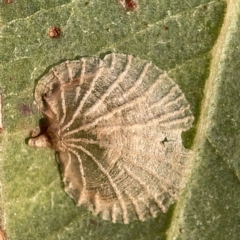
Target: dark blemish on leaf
{"type": "Point", "coordinates": [25, 109]}
{"type": "Point", "coordinates": [205, 7]}
{"type": "Point", "coordinates": [95, 223]}
{"type": "Point", "coordinates": [86, 3]}
{"type": "Point", "coordinates": [131, 5]}
{"type": "Point", "coordinates": [181, 229]}
{"type": "Point", "coordinates": [54, 32]}
{"type": "Point", "coordinates": [146, 24]}
{"type": "Point", "coordinates": [165, 27]}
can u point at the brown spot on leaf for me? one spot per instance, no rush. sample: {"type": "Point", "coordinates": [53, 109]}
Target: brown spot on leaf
{"type": "Point", "coordinates": [54, 32]}
{"type": "Point", "coordinates": [146, 24]}
{"type": "Point", "coordinates": [129, 5]}
{"type": "Point", "coordinates": [95, 223]}
{"type": "Point", "coordinates": [205, 7]}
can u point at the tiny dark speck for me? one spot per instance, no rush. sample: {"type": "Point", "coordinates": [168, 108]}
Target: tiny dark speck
{"type": "Point", "coordinates": [146, 24]}
{"type": "Point", "coordinates": [95, 223]}
{"type": "Point", "coordinates": [205, 7]}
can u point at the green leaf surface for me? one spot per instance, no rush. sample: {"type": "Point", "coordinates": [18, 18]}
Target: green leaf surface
{"type": "Point", "coordinates": [196, 42]}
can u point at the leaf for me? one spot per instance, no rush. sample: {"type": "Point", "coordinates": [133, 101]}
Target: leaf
{"type": "Point", "coordinates": [192, 42]}
{"type": "Point", "coordinates": [210, 206]}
